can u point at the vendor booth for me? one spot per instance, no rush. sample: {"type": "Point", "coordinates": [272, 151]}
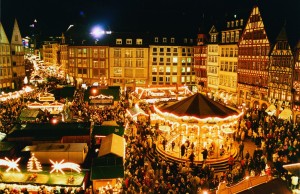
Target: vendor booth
{"type": "Point", "coordinates": [195, 123]}
{"type": "Point", "coordinates": [107, 169]}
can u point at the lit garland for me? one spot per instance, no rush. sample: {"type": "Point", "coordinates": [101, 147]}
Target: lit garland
{"type": "Point", "coordinates": [61, 165]}
{"type": "Point", "coordinates": [12, 164]}
{"type": "Point", "coordinates": [33, 164]}
{"type": "Point", "coordinates": [205, 120]}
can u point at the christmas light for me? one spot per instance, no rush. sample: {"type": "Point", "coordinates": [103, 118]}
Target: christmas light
{"type": "Point", "coordinates": [12, 164]}
{"type": "Point", "coordinates": [61, 165]}
{"type": "Point", "coordinates": [34, 165]}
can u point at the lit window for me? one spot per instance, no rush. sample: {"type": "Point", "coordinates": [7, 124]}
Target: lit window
{"type": "Point", "coordinates": [128, 41]}
{"type": "Point", "coordinates": [119, 41]}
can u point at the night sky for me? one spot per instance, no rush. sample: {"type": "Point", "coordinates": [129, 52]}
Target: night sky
{"type": "Point", "coordinates": [54, 16]}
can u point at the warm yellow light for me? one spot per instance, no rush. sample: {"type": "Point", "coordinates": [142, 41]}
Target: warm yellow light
{"type": "Point", "coordinates": [12, 164]}
{"type": "Point", "coordinates": [61, 165]}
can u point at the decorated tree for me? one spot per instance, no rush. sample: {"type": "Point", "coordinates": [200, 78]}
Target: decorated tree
{"type": "Point", "coordinates": [33, 164]}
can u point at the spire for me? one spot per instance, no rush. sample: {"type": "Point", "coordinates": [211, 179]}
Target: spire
{"type": "Point", "coordinates": [282, 34]}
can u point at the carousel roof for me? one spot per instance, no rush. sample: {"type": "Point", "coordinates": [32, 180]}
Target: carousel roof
{"type": "Point", "coordinates": [198, 105]}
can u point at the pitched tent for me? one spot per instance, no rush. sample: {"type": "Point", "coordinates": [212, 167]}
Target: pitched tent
{"type": "Point", "coordinates": [109, 165]}
{"type": "Point", "coordinates": [198, 105]}
{"type": "Point", "coordinates": [112, 145]}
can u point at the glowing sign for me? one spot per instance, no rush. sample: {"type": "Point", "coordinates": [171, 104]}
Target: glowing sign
{"type": "Point", "coordinates": [12, 164]}
{"type": "Point", "coordinates": [61, 165]}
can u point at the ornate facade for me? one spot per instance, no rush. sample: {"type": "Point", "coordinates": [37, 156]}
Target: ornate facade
{"type": "Point", "coordinates": [253, 59]}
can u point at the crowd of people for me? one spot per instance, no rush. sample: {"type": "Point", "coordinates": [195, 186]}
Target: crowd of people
{"type": "Point", "coordinates": [146, 171]}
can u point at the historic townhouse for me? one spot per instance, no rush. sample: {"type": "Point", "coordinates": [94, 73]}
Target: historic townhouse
{"type": "Point", "coordinates": [228, 49]}
{"type": "Point", "coordinates": [171, 61]}
{"type": "Point", "coordinates": [17, 57]}
{"type": "Point", "coordinates": [281, 67]}
{"type": "Point", "coordinates": [212, 62]}
{"type": "Point", "coordinates": [128, 57]}
{"type": "Point", "coordinates": [200, 62]}
{"type": "Point", "coordinates": [88, 64]}
{"type": "Point", "coordinates": [253, 59]}
{"type": "Point", "coordinates": [5, 61]}
{"type": "Point", "coordinates": [296, 84]}
{"type": "Point", "coordinates": [50, 52]}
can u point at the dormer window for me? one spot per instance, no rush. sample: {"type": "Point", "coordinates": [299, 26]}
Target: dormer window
{"type": "Point", "coordinates": [185, 40]}
{"type": "Point", "coordinates": [156, 39]}
{"type": "Point", "coordinates": [228, 24]}
{"type": "Point", "coordinates": [242, 22]}
{"type": "Point", "coordinates": [237, 23]}
{"type": "Point", "coordinates": [129, 41]}
{"type": "Point", "coordinates": [164, 40]}
{"type": "Point", "coordinates": [119, 41]}
{"type": "Point", "coordinates": [139, 41]}
{"type": "Point", "coordinates": [232, 24]}
{"type": "Point", "coordinates": [172, 40]}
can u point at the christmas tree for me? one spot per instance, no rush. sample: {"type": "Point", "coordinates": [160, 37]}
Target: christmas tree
{"type": "Point", "coordinates": [34, 165]}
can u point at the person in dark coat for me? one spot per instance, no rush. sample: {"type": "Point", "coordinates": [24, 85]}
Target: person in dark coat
{"type": "Point", "coordinates": [204, 154]}
{"type": "Point", "coordinates": [182, 150]}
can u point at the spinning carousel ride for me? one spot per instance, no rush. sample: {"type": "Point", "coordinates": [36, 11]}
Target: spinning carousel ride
{"type": "Point", "coordinates": [196, 123]}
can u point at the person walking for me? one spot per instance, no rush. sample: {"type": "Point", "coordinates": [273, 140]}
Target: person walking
{"type": "Point", "coordinates": [241, 150]}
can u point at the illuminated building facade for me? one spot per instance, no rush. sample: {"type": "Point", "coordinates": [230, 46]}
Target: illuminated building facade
{"type": "Point", "coordinates": [253, 60]}
{"type": "Point", "coordinates": [228, 59]}
{"type": "Point", "coordinates": [5, 61]}
{"type": "Point", "coordinates": [296, 84]}
{"type": "Point", "coordinates": [88, 64]}
{"type": "Point", "coordinates": [200, 61]}
{"type": "Point", "coordinates": [128, 57]}
{"type": "Point", "coordinates": [212, 61]}
{"type": "Point", "coordinates": [171, 61]}
{"type": "Point", "coordinates": [50, 52]}
{"type": "Point", "coordinates": [17, 57]}
{"type": "Point", "coordinates": [281, 73]}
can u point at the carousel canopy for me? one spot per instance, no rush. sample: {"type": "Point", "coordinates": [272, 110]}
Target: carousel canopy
{"type": "Point", "coordinates": [198, 105]}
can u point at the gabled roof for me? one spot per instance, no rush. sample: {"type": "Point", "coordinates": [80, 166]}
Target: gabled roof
{"type": "Point", "coordinates": [112, 145]}
{"type": "Point", "coordinates": [199, 106]}
{"type": "Point", "coordinates": [3, 37]}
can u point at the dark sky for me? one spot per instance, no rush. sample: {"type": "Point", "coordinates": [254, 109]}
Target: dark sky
{"type": "Point", "coordinates": [54, 16]}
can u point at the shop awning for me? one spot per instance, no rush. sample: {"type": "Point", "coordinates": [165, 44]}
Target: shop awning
{"type": "Point", "coordinates": [285, 114]}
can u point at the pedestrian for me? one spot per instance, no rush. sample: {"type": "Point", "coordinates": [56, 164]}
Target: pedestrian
{"type": "Point", "coordinates": [204, 154]}
{"type": "Point", "coordinates": [230, 162]}
{"type": "Point", "coordinates": [241, 150]}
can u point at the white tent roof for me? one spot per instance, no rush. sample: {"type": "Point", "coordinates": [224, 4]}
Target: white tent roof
{"type": "Point", "coordinates": [285, 114]}
{"type": "Point", "coordinates": [271, 108]}
{"type": "Point", "coordinates": [112, 144]}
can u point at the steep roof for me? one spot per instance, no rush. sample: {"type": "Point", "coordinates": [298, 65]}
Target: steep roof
{"type": "Point", "coordinates": [199, 106]}
{"type": "Point", "coordinates": [112, 144]}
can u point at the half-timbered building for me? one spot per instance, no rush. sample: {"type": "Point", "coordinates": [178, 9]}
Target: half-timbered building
{"type": "Point", "coordinates": [280, 73]}
{"type": "Point", "coordinates": [253, 59]}
{"type": "Point", "coordinates": [296, 85]}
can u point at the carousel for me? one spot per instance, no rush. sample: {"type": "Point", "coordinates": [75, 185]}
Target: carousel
{"type": "Point", "coordinates": [194, 124]}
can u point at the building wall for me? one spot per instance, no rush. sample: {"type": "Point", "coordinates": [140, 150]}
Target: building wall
{"type": "Point", "coordinates": [5, 61]}
{"type": "Point", "coordinates": [253, 60]}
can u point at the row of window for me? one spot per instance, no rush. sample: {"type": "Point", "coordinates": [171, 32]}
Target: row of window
{"type": "Point", "coordinates": [228, 66]}
{"type": "Point", "coordinates": [228, 81]}
{"type": "Point", "coordinates": [5, 71]}
{"type": "Point", "coordinates": [232, 36]}
{"type": "Point", "coordinates": [173, 79]}
{"type": "Point", "coordinates": [229, 52]}
{"type": "Point", "coordinates": [5, 60]}
{"type": "Point", "coordinates": [168, 69]}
